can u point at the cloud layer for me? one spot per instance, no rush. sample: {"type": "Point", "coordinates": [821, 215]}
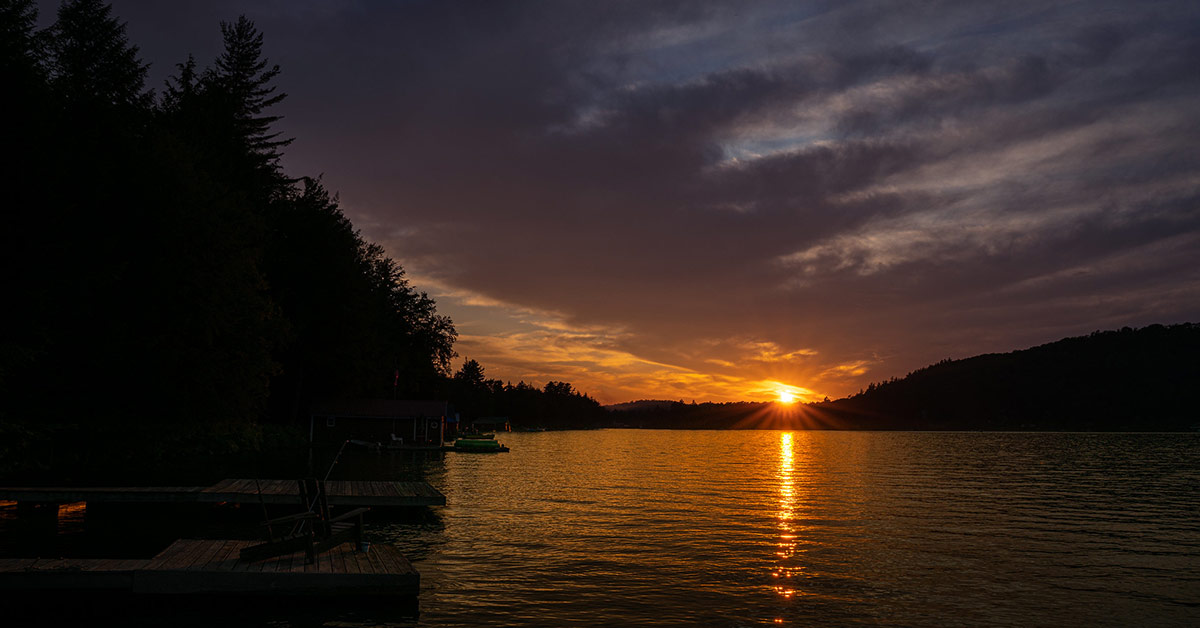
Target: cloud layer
{"type": "Point", "coordinates": [714, 200]}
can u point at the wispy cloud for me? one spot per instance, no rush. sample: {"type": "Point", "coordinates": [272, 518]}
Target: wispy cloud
{"type": "Point", "coordinates": [706, 200]}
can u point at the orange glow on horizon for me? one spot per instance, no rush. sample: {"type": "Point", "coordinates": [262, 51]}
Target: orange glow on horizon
{"type": "Point", "coordinates": [594, 362]}
{"type": "Point", "coordinates": [785, 394]}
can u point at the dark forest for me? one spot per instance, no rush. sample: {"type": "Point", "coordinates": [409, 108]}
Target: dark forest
{"type": "Point", "coordinates": [172, 292]}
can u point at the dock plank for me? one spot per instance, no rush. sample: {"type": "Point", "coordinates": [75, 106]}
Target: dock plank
{"type": "Point", "coordinates": [354, 562]}
{"type": "Point", "coordinates": [218, 558]}
{"type": "Point", "coordinates": [219, 487]}
{"type": "Point", "coordinates": [376, 560]}
{"type": "Point", "coordinates": [284, 564]}
{"type": "Point", "coordinates": [214, 570]}
{"type": "Point", "coordinates": [227, 555]}
{"type": "Point", "coordinates": [239, 490]}
{"type": "Point", "coordinates": [189, 556]}
{"type": "Point", "coordinates": [351, 558]}
{"type": "Point", "coordinates": [167, 555]}
{"type": "Point", "coordinates": [127, 564]}
{"type": "Point", "coordinates": [366, 562]}
{"type": "Point", "coordinates": [394, 561]}
{"type": "Point", "coordinates": [266, 565]}
{"type": "Point", "coordinates": [181, 557]}
{"type": "Point", "coordinates": [337, 560]}
{"type": "Point", "coordinates": [205, 555]}
{"type": "Point", "coordinates": [383, 557]}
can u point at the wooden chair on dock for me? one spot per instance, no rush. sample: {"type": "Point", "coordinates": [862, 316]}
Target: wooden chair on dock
{"type": "Point", "coordinates": [313, 530]}
{"type": "Point", "coordinates": [331, 531]}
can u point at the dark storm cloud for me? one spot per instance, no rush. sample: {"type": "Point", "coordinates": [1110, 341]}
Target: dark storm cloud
{"type": "Point", "coordinates": [816, 193]}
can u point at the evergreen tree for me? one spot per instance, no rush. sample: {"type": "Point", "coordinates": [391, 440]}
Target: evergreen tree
{"type": "Point", "coordinates": [20, 48]}
{"type": "Point", "coordinates": [84, 162]}
{"type": "Point", "coordinates": [181, 89]}
{"type": "Point", "coordinates": [91, 60]}
{"type": "Point", "coordinates": [470, 375]}
{"type": "Point", "coordinates": [244, 76]}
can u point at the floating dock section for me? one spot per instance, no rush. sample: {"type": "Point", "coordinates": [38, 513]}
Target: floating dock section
{"type": "Point", "coordinates": [207, 567]}
{"type": "Point", "coordinates": [240, 491]}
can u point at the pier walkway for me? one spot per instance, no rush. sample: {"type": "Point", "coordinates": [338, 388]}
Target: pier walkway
{"type": "Point", "coordinates": [191, 566]}
{"type": "Point", "coordinates": [242, 491]}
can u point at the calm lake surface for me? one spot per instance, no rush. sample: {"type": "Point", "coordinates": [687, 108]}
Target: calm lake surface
{"type": "Point", "coordinates": [762, 528]}
{"type": "Point", "coordinates": [749, 528]}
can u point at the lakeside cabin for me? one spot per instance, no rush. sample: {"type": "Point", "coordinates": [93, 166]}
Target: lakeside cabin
{"type": "Point", "coordinates": [396, 423]}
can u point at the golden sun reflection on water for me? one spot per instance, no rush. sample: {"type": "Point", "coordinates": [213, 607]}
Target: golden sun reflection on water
{"type": "Point", "coordinates": [786, 545]}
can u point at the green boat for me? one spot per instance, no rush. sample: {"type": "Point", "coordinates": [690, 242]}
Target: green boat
{"type": "Point", "coordinates": [482, 445]}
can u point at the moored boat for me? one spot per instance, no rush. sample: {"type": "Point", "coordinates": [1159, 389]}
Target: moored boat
{"type": "Point", "coordinates": [479, 445]}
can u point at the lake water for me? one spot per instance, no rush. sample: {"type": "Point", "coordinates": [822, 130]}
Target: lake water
{"type": "Point", "coordinates": [757, 528]}
{"type": "Point", "coordinates": [764, 528]}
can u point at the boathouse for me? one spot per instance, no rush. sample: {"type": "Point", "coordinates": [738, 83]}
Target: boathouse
{"type": "Point", "coordinates": [491, 424]}
{"type": "Point", "coordinates": [393, 422]}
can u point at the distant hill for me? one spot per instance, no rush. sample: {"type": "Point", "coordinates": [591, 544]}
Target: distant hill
{"type": "Point", "coordinates": [1127, 380]}
{"type": "Point", "coordinates": [1131, 379]}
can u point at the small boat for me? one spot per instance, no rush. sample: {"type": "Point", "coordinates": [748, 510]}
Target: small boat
{"type": "Point", "coordinates": [479, 445]}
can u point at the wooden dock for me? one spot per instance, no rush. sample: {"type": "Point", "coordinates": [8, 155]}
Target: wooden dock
{"type": "Point", "coordinates": [241, 491]}
{"type": "Point", "coordinates": [203, 567]}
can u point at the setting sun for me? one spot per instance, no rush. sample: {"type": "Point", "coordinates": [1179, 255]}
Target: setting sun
{"type": "Point", "coordinates": [786, 397]}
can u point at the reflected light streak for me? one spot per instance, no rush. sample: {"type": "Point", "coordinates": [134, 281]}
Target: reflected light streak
{"type": "Point", "coordinates": [71, 516]}
{"type": "Point", "coordinates": [786, 545]}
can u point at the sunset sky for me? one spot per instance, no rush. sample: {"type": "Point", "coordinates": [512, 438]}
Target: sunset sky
{"type": "Point", "coordinates": [712, 201]}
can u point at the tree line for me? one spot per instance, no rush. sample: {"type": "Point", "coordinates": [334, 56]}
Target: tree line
{"type": "Point", "coordinates": [556, 405]}
{"type": "Point", "coordinates": [162, 273]}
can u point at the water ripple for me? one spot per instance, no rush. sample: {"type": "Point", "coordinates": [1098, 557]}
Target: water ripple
{"type": "Point", "coordinates": [659, 528]}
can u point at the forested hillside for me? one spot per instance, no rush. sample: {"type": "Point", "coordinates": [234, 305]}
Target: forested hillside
{"type": "Point", "coordinates": [1132, 379]}
{"type": "Point", "coordinates": [173, 296]}
{"type": "Point", "coordinates": [167, 284]}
